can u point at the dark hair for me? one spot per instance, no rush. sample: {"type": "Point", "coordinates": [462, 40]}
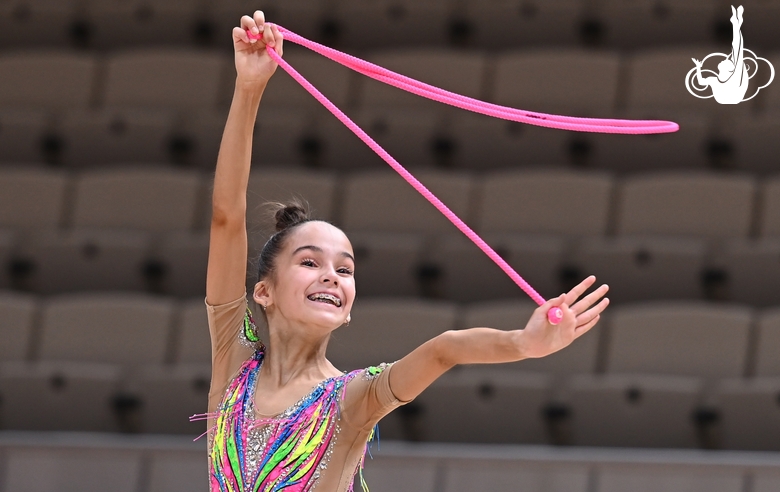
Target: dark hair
{"type": "Point", "coordinates": [287, 216]}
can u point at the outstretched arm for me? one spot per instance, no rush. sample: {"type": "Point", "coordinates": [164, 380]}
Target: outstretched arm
{"type": "Point", "coordinates": [226, 274]}
{"type": "Point", "coordinates": [415, 372]}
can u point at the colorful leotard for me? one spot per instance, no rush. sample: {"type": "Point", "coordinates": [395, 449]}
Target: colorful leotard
{"type": "Point", "coordinates": [320, 441]}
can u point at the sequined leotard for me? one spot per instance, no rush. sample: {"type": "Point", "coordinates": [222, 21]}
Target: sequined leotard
{"type": "Point", "coordinates": [319, 442]}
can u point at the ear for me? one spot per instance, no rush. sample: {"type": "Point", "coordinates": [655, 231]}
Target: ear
{"type": "Point", "coordinates": [262, 293]}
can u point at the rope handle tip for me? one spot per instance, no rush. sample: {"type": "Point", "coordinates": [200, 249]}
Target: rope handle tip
{"type": "Point", "coordinates": [555, 315]}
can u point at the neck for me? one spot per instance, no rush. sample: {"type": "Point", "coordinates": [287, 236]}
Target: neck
{"type": "Point", "coordinates": [296, 354]}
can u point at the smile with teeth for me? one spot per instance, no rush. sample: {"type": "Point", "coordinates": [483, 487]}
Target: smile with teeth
{"type": "Point", "coordinates": [326, 298]}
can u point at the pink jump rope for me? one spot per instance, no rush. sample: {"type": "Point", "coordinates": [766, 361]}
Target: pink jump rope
{"type": "Point", "coordinates": [597, 125]}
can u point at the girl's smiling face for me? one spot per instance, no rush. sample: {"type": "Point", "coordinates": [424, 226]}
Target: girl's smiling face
{"type": "Point", "coordinates": [313, 282]}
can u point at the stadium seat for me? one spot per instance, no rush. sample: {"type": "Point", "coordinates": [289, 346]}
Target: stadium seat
{"type": "Point", "coordinates": [644, 23]}
{"type": "Point", "coordinates": [17, 319]}
{"type": "Point", "coordinates": [26, 79]}
{"type": "Point", "coordinates": [173, 471]}
{"type": "Point", "coordinates": [73, 260]}
{"type": "Point", "coordinates": [656, 81]}
{"type": "Point", "coordinates": [197, 139]}
{"type": "Point", "coordinates": [772, 97]}
{"type": "Point", "coordinates": [169, 395]}
{"type": "Point", "coordinates": [679, 338]}
{"type": "Point", "coordinates": [381, 201]}
{"type": "Point", "coordinates": [32, 197]}
{"type": "Point", "coordinates": [766, 480]}
{"type": "Point", "coordinates": [644, 268]}
{"type": "Point", "coordinates": [577, 82]}
{"type": "Point", "coordinates": [182, 258]}
{"type": "Point", "coordinates": [483, 143]}
{"type": "Point", "coordinates": [164, 78]}
{"type": "Point", "coordinates": [20, 22]}
{"type": "Point", "coordinates": [501, 24]}
{"type": "Point", "coordinates": [467, 274]}
{"type": "Point", "coordinates": [409, 135]}
{"type": "Point", "coordinates": [633, 411]}
{"type": "Point", "coordinates": [137, 198]}
{"type": "Point", "coordinates": [538, 201]}
{"type": "Point", "coordinates": [488, 406]}
{"type": "Point", "coordinates": [385, 330]}
{"type": "Point", "coordinates": [330, 78]}
{"type": "Point", "coordinates": [656, 477]}
{"type": "Point", "coordinates": [767, 363]}
{"type": "Point", "coordinates": [370, 23]}
{"type": "Point", "coordinates": [96, 138]}
{"type": "Point", "coordinates": [284, 183]}
{"type": "Point", "coordinates": [756, 145]}
{"type": "Point", "coordinates": [770, 208]}
{"type": "Point", "coordinates": [505, 477]}
{"type": "Point", "coordinates": [24, 137]}
{"type": "Point", "coordinates": [389, 474]}
{"type": "Point", "coordinates": [192, 334]}
{"type": "Point", "coordinates": [748, 412]}
{"type": "Point", "coordinates": [578, 358]}
{"type": "Point", "coordinates": [286, 135]}
{"type": "Point", "coordinates": [7, 244]}
{"type": "Point", "coordinates": [123, 23]}
{"type": "Point", "coordinates": [387, 264]}
{"type": "Point", "coordinates": [455, 71]}
{"type": "Point", "coordinates": [753, 271]}
{"type": "Point", "coordinates": [73, 470]}
{"type": "Point", "coordinates": [686, 204]}
{"type": "Point", "coordinates": [683, 149]}
{"type": "Point", "coordinates": [64, 395]}
{"type": "Point", "coordinates": [121, 329]}
{"type": "Point", "coordinates": [764, 16]}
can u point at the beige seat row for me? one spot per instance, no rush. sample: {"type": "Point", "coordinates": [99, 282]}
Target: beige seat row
{"type": "Point", "coordinates": [541, 201]}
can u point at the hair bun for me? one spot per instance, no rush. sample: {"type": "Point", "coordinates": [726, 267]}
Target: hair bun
{"type": "Point", "coordinates": [290, 214]}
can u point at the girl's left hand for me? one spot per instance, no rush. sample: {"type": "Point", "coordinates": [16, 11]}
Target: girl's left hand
{"type": "Point", "coordinates": [540, 338]}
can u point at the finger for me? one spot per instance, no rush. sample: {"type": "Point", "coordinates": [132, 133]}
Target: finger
{"type": "Point", "coordinates": [240, 34]}
{"type": "Point", "coordinates": [581, 330]}
{"type": "Point", "coordinates": [278, 39]}
{"type": "Point", "coordinates": [249, 24]}
{"type": "Point", "coordinates": [587, 301]}
{"type": "Point", "coordinates": [577, 291]}
{"type": "Point", "coordinates": [594, 311]}
{"type": "Point", "coordinates": [268, 37]}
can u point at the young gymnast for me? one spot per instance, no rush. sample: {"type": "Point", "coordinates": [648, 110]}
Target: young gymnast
{"type": "Point", "coordinates": [283, 417]}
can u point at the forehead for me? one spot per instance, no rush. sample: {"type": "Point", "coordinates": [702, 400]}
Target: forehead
{"type": "Point", "coordinates": [316, 233]}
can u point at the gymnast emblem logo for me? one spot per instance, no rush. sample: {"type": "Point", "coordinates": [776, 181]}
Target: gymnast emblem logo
{"type": "Point", "coordinates": [730, 84]}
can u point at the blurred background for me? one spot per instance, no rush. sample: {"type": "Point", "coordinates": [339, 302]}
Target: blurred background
{"type": "Point", "coordinates": [111, 114]}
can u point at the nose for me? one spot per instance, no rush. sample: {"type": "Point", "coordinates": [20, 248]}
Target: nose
{"type": "Point", "coordinates": [330, 276]}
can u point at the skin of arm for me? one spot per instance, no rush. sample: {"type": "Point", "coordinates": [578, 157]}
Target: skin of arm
{"type": "Point", "coordinates": [226, 271]}
{"type": "Point", "coordinates": [415, 372]}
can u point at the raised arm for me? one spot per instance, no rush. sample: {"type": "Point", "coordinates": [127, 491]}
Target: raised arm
{"type": "Point", "coordinates": [226, 274]}
{"type": "Point", "coordinates": [415, 372]}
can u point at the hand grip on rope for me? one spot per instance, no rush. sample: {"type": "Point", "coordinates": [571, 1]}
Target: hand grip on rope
{"type": "Point", "coordinates": [555, 314]}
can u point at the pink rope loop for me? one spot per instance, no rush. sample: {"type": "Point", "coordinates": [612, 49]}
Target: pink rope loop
{"type": "Point", "coordinates": [554, 315]}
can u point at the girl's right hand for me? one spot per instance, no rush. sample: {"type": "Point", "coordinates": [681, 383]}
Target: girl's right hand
{"type": "Point", "coordinates": [254, 66]}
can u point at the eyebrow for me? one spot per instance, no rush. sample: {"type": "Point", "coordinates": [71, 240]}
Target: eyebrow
{"type": "Point", "coordinates": [319, 250]}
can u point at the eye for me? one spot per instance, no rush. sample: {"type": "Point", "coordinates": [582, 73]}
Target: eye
{"type": "Point", "coordinates": [308, 262]}
{"type": "Point", "coordinates": [345, 271]}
